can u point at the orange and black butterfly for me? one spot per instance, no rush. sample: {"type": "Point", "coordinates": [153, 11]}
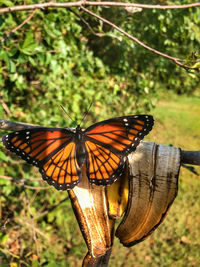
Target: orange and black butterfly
{"type": "Point", "coordinates": [60, 153]}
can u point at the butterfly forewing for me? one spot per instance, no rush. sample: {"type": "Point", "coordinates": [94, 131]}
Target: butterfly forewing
{"type": "Point", "coordinates": [120, 135]}
{"type": "Point", "coordinates": [51, 150]}
{"type": "Point", "coordinates": [108, 142]}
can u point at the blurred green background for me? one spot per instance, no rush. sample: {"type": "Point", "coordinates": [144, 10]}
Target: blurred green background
{"type": "Point", "coordinates": [55, 59]}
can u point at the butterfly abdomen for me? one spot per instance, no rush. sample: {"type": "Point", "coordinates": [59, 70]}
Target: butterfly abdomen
{"type": "Point", "coordinates": [80, 153]}
{"type": "Point", "coordinates": [80, 146]}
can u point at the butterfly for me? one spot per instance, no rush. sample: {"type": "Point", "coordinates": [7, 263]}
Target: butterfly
{"type": "Point", "coordinates": [59, 153]}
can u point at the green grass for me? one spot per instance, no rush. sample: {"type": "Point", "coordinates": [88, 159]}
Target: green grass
{"type": "Point", "coordinates": [177, 240]}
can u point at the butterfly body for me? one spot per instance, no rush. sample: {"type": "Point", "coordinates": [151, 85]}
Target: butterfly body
{"type": "Point", "coordinates": [60, 153]}
{"type": "Point", "coordinates": [80, 145]}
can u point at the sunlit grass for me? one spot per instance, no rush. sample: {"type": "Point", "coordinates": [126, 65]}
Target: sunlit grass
{"type": "Point", "coordinates": [176, 242]}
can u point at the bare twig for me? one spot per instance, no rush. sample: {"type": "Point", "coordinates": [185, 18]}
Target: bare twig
{"type": "Point", "coordinates": [190, 157]}
{"type": "Point", "coordinates": [5, 107]}
{"type": "Point", "coordinates": [21, 182]}
{"type": "Point", "coordinates": [175, 60]}
{"type": "Point", "coordinates": [15, 126]}
{"type": "Point", "coordinates": [43, 214]}
{"type": "Point", "coordinates": [32, 222]}
{"type": "Point", "coordinates": [20, 179]}
{"type": "Point", "coordinates": [91, 3]}
{"type": "Point", "coordinates": [87, 24]}
{"type": "Point", "coordinates": [18, 27]}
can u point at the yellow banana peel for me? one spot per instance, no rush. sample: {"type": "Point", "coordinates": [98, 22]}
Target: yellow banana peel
{"type": "Point", "coordinates": [141, 197]}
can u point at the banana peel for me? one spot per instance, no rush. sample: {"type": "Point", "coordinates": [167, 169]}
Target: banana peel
{"type": "Point", "coordinates": [153, 180]}
{"type": "Point", "coordinates": [141, 197]}
{"type": "Point", "coordinates": [90, 207]}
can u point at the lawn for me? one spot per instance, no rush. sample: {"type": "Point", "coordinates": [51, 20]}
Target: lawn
{"type": "Point", "coordinates": [177, 240]}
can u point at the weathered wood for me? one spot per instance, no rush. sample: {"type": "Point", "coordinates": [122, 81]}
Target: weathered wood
{"type": "Point", "coordinates": [190, 157]}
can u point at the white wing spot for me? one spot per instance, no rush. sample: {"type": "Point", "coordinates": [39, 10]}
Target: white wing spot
{"type": "Point", "coordinates": [27, 132]}
{"type": "Point", "coordinates": [126, 124]}
{"type": "Point", "coordinates": [125, 120]}
{"type": "Point", "coordinates": [135, 116]}
{"type": "Point", "coordinates": [16, 132]}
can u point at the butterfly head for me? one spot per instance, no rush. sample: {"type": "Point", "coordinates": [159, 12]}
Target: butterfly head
{"type": "Point", "coordinates": [79, 133]}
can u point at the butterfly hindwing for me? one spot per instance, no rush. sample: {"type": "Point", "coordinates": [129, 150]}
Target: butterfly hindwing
{"type": "Point", "coordinates": [108, 142]}
{"type": "Point", "coordinates": [103, 166]}
{"type": "Point", "coordinates": [62, 170]}
{"type": "Point", "coordinates": [52, 150]}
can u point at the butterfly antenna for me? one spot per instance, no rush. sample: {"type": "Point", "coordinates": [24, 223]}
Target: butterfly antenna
{"type": "Point", "coordinates": [86, 113]}
{"type": "Point", "coordinates": [67, 114]}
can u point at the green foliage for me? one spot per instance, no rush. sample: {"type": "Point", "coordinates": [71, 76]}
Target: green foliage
{"type": "Point", "coordinates": [53, 60]}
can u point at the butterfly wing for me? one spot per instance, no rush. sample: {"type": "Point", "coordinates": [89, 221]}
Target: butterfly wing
{"type": "Point", "coordinates": [109, 142]}
{"type": "Point", "coordinates": [103, 166]}
{"type": "Point", "coordinates": [52, 150]}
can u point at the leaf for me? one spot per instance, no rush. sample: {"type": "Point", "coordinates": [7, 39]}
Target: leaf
{"type": "Point", "coordinates": [12, 67]}
{"type": "Point", "coordinates": [29, 44]}
{"type": "Point", "coordinates": [7, 2]}
{"type": "Point", "coordinates": [3, 156]}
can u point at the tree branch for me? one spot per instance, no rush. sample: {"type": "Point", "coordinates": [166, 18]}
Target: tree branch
{"type": "Point", "coordinates": [116, 4]}
{"type": "Point", "coordinates": [187, 157]}
{"type": "Point", "coordinates": [87, 24]}
{"type": "Point", "coordinates": [91, 3]}
{"type": "Point", "coordinates": [175, 60]}
{"type": "Point", "coordinates": [15, 126]}
{"type": "Point", "coordinates": [190, 157]}
{"type": "Point", "coordinates": [19, 26]}
{"type": "Point", "coordinates": [21, 182]}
